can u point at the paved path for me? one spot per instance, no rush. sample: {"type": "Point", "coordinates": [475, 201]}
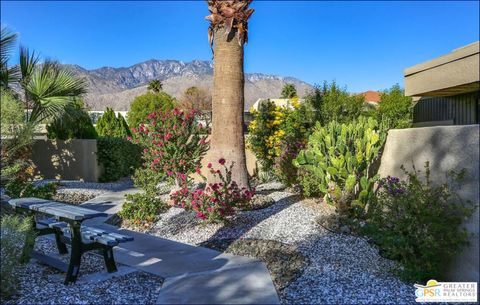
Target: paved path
{"type": "Point", "coordinates": [193, 275]}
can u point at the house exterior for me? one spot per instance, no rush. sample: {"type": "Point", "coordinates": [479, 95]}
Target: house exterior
{"type": "Point", "coordinates": [282, 102]}
{"type": "Point", "coordinates": [446, 89]}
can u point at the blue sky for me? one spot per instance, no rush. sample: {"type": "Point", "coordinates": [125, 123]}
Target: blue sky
{"type": "Point", "coordinates": [363, 45]}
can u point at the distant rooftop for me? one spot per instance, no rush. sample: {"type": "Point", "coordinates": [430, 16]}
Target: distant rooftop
{"type": "Point", "coordinates": [371, 96]}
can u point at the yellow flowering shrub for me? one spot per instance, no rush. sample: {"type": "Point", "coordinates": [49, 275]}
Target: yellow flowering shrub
{"type": "Point", "coordinates": [270, 126]}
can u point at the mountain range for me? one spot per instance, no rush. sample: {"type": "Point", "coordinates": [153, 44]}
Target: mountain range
{"type": "Point", "coordinates": [117, 87]}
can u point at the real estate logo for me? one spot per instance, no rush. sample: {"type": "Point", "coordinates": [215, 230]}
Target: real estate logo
{"type": "Point", "coordinates": [446, 292]}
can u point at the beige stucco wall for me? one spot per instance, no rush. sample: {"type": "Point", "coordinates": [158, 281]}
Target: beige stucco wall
{"type": "Point", "coordinates": [446, 148]}
{"type": "Point", "coordinates": [69, 160]}
{"type": "Point", "coordinates": [453, 73]}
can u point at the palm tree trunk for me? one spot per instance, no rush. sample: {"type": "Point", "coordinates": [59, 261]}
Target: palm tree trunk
{"type": "Point", "coordinates": [227, 139]}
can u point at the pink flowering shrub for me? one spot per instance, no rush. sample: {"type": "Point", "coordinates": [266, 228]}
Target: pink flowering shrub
{"type": "Point", "coordinates": [218, 200]}
{"type": "Point", "coordinates": [173, 144]}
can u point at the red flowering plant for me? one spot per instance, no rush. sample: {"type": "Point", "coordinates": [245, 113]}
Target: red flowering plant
{"type": "Point", "coordinates": [174, 144]}
{"type": "Point", "coordinates": [218, 200]}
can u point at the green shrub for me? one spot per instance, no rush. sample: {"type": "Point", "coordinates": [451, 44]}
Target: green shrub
{"type": "Point", "coordinates": [18, 188]}
{"type": "Point", "coordinates": [74, 124]}
{"type": "Point", "coordinates": [108, 125]}
{"type": "Point", "coordinates": [147, 179]}
{"type": "Point", "coordinates": [147, 103]}
{"type": "Point", "coordinates": [337, 104]}
{"type": "Point", "coordinates": [17, 238]}
{"type": "Point", "coordinates": [395, 109]}
{"type": "Point", "coordinates": [419, 224]}
{"type": "Point", "coordinates": [285, 170]}
{"type": "Point", "coordinates": [16, 136]}
{"type": "Point", "coordinates": [141, 208]}
{"type": "Point", "coordinates": [118, 156]}
{"type": "Point", "coordinates": [337, 163]}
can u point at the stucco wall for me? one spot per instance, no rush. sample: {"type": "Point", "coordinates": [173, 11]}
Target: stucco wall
{"type": "Point", "coordinates": [446, 148]}
{"type": "Point", "coordinates": [69, 160]}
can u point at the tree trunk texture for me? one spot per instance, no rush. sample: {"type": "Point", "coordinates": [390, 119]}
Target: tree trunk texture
{"type": "Point", "coordinates": [227, 140]}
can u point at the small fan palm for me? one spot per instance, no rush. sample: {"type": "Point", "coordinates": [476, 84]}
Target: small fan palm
{"type": "Point", "coordinates": [47, 88]}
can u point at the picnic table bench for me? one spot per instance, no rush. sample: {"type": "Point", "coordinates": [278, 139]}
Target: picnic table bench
{"type": "Point", "coordinates": [65, 223]}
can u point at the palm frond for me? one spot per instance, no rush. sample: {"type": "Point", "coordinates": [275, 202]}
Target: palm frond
{"type": "Point", "coordinates": [7, 43]}
{"type": "Point", "coordinates": [28, 62]}
{"type": "Point", "coordinates": [51, 89]}
{"type": "Point", "coordinates": [231, 14]}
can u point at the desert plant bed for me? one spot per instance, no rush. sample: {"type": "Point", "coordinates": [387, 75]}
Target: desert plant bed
{"type": "Point", "coordinates": [327, 261]}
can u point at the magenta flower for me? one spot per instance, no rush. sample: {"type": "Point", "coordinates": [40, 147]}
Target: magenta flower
{"type": "Point", "coordinates": [221, 161]}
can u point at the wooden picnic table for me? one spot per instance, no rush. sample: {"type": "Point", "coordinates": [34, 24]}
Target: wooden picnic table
{"type": "Point", "coordinates": [64, 214]}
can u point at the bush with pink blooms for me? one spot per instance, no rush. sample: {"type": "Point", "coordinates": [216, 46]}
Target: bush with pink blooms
{"type": "Point", "coordinates": [218, 200]}
{"type": "Point", "coordinates": [173, 144]}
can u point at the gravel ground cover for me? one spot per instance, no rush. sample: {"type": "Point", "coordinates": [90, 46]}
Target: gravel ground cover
{"type": "Point", "coordinates": [284, 262]}
{"type": "Point", "coordinates": [77, 192]}
{"type": "Point", "coordinates": [41, 284]}
{"type": "Point", "coordinates": [341, 269]}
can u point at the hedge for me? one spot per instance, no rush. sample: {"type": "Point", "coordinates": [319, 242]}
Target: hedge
{"type": "Point", "coordinates": [118, 156]}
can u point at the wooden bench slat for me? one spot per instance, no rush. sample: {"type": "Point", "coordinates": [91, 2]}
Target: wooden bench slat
{"type": "Point", "coordinates": [95, 230]}
{"type": "Point", "coordinates": [55, 208]}
{"type": "Point", "coordinates": [46, 222]}
{"type": "Point", "coordinates": [40, 226]}
{"type": "Point", "coordinates": [58, 264]}
{"type": "Point", "coordinates": [105, 240]}
{"type": "Point", "coordinates": [58, 225]}
{"type": "Point", "coordinates": [121, 237]}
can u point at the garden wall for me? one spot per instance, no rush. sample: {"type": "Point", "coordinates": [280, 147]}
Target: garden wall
{"type": "Point", "coordinates": [69, 160]}
{"type": "Point", "coordinates": [446, 148]}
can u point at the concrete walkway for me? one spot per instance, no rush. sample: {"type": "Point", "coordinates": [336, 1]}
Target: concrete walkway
{"type": "Point", "coordinates": [193, 275]}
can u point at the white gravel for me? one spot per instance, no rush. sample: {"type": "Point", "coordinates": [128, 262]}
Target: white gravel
{"type": "Point", "coordinates": [342, 268]}
{"type": "Point", "coordinates": [76, 192]}
{"type": "Point", "coordinates": [41, 284]}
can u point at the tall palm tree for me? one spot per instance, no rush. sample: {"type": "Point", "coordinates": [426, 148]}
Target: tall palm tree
{"type": "Point", "coordinates": [227, 34]}
{"type": "Point", "coordinates": [155, 85]}
{"type": "Point", "coordinates": [289, 91]}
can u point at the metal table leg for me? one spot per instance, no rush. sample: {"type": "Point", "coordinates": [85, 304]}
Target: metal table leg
{"type": "Point", "coordinates": [76, 254]}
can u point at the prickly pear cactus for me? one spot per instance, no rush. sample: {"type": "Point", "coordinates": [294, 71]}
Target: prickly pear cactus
{"type": "Point", "coordinates": [338, 157]}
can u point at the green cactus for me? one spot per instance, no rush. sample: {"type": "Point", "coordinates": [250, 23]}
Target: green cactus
{"type": "Point", "coordinates": [337, 161]}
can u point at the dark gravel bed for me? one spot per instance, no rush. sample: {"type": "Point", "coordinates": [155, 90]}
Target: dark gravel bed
{"type": "Point", "coordinates": [284, 262]}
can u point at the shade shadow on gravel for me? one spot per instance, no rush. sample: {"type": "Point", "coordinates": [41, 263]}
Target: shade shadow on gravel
{"type": "Point", "coordinates": [244, 222]}
{"type": "Point", "coordinates": [284, 262]}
